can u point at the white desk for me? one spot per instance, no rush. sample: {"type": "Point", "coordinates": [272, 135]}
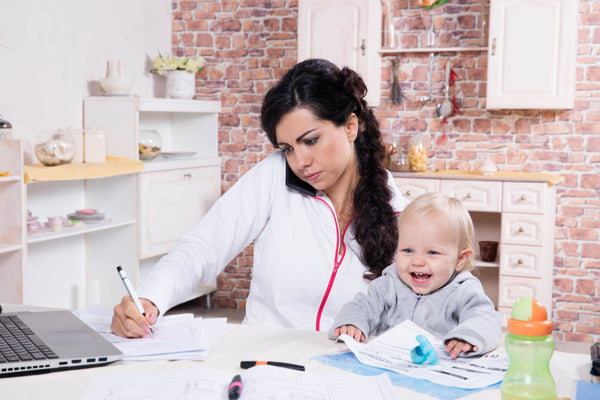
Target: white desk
{"type": "Point", "coordinates": [244, 342]}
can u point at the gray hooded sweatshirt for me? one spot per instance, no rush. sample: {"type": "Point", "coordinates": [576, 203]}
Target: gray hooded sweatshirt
{"type": "Point", "coordinates": [460, 309]}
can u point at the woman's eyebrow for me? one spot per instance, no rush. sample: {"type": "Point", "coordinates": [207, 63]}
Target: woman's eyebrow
{"type": "Point", "coordinates": [299, 138]}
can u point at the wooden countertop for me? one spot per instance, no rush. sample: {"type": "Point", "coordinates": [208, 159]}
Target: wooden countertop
{"type": "Point", "coordinates": [551, 179]}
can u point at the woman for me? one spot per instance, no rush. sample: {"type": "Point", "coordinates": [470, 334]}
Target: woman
{"type": "Point", "coordinates": [320, 210]}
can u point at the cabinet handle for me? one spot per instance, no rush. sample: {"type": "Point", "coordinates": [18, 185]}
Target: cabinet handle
{"type": "Point", "coordinates": [523, 197]}
{"type": "Point", "coordinates": [469, 195]}
{"type": "Point", "coordinates": [494, 46]}
{"type": "Point", "coordinates": [363, 47]}
{"type": "Point", "coordinates": [408, 193]}
{"type": "Point", "coordinates": [521, 230]}
{"type": "Point", "coordinates": [188, 175]}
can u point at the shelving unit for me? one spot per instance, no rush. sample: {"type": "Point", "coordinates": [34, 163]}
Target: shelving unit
{"type": "Point", "coordinates": [12, 221]}
{"type": "Point", "coordinates": [396, 51]}
{"type": "Point", "coordinates": [173, 193]}
{"type": "Point", "coordinates": [75, 267]}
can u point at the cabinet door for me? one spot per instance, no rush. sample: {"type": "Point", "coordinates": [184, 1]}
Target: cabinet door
{"type": "Point", "coordinates": [531, 55]}
{"type": "Point", "coordinates": [347, 33]}
{"type": "Point", "coordinates": [475, 195]}
{"type": "Point", "coordinates": [171, 203]}
{"type": "Point", "coordinates": [412, 188]}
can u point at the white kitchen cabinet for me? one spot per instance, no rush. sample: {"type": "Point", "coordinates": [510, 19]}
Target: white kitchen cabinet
{"type": "Point", "coordinates": [12, 221]}
{"type": "Point", "coordinates": [532, 54]}
{"type": "Point", "coordinates": [174, 191]}
{"type": "Point", "coordinates": [515, 209]}
{"type": "Point", "coordinates": [348, 33]}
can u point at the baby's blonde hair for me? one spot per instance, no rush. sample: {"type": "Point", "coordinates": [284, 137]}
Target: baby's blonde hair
{"type": "Point", "coordinates": [434, 204]}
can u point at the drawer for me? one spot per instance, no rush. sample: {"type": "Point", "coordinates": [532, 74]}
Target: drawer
{"type": "Point", "coordinates": [475, 195]}
{"type": "Point", "coordinates": [522, 229]}
{"type": "Point", "coordinates": [412, 188]}
{"type": "Point", "coordinates": [526, 261]}
{"type": "Point", "coordinates": [521, 197]}
{"type": "Point", "coordinates": [512, 288]}
{"type": "Point", "coordinates": [171, 203]}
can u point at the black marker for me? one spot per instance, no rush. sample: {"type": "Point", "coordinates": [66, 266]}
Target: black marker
{"type": "Point", "coordinates": [235, 388]}
{"type": "Point", "coordinates": [249, 364]}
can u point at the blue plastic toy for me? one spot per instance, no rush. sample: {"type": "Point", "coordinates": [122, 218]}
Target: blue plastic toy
{"type": "Point", "coordinates": [424, 352]}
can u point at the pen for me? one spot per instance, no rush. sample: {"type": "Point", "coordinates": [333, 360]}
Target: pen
{"type": "Point", "coordinates": [131, 292]}
{"type": "Point", "coordinates": [249, 364]}
{"type": "Point", "coordinates": [235, 388]}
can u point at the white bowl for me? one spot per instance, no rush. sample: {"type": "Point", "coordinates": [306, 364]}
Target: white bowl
{"type": "Point", "coordinates": [116, 85]}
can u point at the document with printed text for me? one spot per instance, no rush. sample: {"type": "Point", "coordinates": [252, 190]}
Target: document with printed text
{"type": "Point", "coordinates": [391, 350]}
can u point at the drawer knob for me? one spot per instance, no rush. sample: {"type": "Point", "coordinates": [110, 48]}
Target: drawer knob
{"type": "Point", "coordinates": [188, 175]}
{"type": "Point", "coordinates": [523, 197]}
{"type": "Point", "coordinates": [521, 229]}
{"type": "Point", "coordinates": [408, 193]}
{"type": "Point", "coordinates": [469, 195]}
{"type": "Point", "coordinates": [520, 261]}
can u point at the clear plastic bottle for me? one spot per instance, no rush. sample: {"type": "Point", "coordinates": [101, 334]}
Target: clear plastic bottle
{"type": "Point", "coordinates": [529, 345]}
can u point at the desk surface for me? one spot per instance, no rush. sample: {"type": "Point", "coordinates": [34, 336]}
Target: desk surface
{"type": "Point", "coordinates": [245, 342]}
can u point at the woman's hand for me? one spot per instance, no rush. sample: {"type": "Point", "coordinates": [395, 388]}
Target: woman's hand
{"type": "Point", "coordinates": [127, 320]}
{"type": "Point", "coordinates": [456, 346]}
{"type": "Point", "coordinates": [350, 330]}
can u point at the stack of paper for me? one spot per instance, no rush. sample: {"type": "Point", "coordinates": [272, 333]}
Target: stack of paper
{"type": "Point", "coordinates": [176, 337]}
{"type": "Point", "coordinates": [261, 382]}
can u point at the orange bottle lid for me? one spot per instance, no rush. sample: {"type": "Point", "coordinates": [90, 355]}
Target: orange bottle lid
{"type": "Point", "coordinates": [529, 318]}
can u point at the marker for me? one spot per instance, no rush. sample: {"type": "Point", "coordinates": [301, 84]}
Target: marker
{"type": "Point", "coordinates": [249, 364]}
{"type": "Point", "coordinates": [131, 292]}
{"type": "Point", "coordinates": [235, 388]}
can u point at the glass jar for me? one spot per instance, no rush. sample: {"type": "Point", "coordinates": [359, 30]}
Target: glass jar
{"type": "Point", "coordinates": [150, 144]}
{"type": "Point", "coordinates": [399, 161]}
{"type": "Point", "coordinates": [54, 148]}
{"type": "Point", "coordinates": [5, 129]}
{"type": "Point", "coordinates": [417, 153]}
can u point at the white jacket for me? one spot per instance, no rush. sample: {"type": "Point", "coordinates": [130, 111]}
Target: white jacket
{"type": "Point", "coordinates": [298, 278]}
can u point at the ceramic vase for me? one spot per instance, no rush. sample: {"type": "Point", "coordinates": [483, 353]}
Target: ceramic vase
{"type": "Point", "coordinates": [181, 84]}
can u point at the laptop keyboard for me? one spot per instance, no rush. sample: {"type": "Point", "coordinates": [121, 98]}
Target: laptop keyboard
{"type": "Point", "coordinates": [19, 343]}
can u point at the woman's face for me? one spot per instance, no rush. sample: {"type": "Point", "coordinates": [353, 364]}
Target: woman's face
{"type": "Point", "coordinates": [317, 151]}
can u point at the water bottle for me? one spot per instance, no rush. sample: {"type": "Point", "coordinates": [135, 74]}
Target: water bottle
{"type": "Point", "coordinates": [529, 345]}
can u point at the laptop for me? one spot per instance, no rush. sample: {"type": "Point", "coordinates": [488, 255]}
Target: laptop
{"type": "Point", "coordinates": [47, 341]}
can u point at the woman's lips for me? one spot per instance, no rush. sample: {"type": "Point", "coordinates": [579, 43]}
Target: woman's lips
{"type": "Point", "coordinates": [312, 177]}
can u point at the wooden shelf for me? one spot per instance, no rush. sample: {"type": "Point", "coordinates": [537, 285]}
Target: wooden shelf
{"type": "Point", "coordinates": [113, 166]}
{"type": "Point", "coordinates": [46, 235]}
{"type": "Point", "coordinates": [387, 52]}
{"type": "Point", "coordinates": [9, 247]}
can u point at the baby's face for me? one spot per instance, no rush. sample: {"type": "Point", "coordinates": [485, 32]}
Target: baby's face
{"type": "Point", "coordinates": [427, 253]}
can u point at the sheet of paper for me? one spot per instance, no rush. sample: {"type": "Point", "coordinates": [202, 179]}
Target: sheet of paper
{"type": "Point", "coordinates": [175, 337]}
{"type": "Point", "coordinates": [259, 383]}
{"type": "Point", "coordinates": [391, 350]}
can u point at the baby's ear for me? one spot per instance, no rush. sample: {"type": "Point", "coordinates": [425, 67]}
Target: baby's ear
{"type": "Point", "coordinates": [462, 259]}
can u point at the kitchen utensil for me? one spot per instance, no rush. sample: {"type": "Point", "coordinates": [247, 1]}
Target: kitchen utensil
{"type": "Point", "coordinates": [429, 97]}
{"type": "Point", "coordinates": [445, 108]}
{"type": "Point", "coordinates": [397, 95]}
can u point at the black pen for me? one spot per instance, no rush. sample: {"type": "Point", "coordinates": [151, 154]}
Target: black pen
{"type": "Point", "coordinates": [249, 364]}
{"type": "Point", "coordinates": [234, 390]}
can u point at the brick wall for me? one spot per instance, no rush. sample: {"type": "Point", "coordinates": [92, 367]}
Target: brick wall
{"type": "Point", "coordinates": [248, 44]}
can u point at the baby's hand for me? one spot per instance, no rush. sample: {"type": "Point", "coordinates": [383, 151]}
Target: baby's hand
{"type": "Point", "coordinates": [456, 346]}
{"type": "Point", "coordinates": [350, 330]}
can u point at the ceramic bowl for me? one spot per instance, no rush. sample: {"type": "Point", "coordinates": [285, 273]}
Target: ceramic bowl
{"type": "Point", "coordinates": [116, 86]}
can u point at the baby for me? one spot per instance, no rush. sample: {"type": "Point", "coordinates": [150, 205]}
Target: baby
{"type": "Point", "coordinates": [430, 284]}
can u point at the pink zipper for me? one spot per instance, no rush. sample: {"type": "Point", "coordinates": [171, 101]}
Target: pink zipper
{"type": "Point", "coordinates": [336, 265]}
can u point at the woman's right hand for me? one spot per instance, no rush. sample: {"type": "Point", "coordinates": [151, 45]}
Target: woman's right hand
{"type": "Point", "coordinates": [127, 320]}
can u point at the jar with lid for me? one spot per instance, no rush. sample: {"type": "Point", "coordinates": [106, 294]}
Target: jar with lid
{"type": "Point", "coordinates": [54, 147]}
{"type": "Point", "coordinates": [150, 144]}
{"type": "Point", "coordinates": [5, 129]}
{"type": "Point", "coordinates": [417, 153]}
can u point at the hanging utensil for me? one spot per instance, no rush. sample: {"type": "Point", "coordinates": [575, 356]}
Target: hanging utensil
{"type": "Point", "coordinates": [429, 97]}
{"type": "Point", "coordinates": [445, 108]}
{"type": "Point", "coordinates": [397, 95]}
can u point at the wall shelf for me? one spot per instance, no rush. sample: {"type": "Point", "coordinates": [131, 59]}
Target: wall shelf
{"type": "Point", "coordinates": [74, 231]}
{"type": "Point", "coordinates": [391, 52]}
